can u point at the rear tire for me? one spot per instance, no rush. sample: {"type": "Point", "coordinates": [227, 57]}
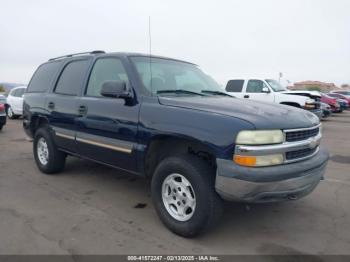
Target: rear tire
{"type": "Point", "coordinates": [47, 157]}
{"type": "Point", "coordinates": [11, 114]}
{"type": "Point", "coordinates": [1, 126]}
{"type": "Point", "coordinates": [199, 181]}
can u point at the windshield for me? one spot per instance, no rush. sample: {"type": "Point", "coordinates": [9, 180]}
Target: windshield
{"type": "Point", "coordinates": [276, 86]}
{"type": "Point", "coordinates": [327, 96]}
{"type": "Point", "coordinates": [165, 76]}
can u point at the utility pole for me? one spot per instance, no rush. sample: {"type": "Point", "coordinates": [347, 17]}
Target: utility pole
{"type": "Point", "coordinates": [280, 75]}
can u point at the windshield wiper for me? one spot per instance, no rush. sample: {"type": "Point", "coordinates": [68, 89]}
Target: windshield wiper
{"type": "Point", "coordinates": [216, 93]}
{"type": "Point", "coordinates": [178, 91]}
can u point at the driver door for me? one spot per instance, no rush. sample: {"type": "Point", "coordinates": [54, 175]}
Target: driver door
{"type": "Point", "coordinates": [107, 127]}
{"type": "Point", "coordinates": [254, 91]}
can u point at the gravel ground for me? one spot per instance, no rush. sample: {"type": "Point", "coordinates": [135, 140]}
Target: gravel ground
{"type": "Point", "coordinates": [93, 209]}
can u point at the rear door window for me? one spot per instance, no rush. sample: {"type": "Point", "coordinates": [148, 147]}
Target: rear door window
{"type": "Point", "coordinates": [234, 86]}
{"type": "Point", "coordinates": [43, 77]}
{"type": "Point", "coordinates": [72, 78]}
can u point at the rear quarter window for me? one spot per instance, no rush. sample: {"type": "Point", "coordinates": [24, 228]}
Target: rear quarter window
{"type": "Point", "coordinates": [42, 78]}
{"type": "Point", "coordinates": [234, 86]}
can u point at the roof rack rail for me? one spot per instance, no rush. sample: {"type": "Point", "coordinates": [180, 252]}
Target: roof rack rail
{"type": "Point", "coordinates": [76, 54]}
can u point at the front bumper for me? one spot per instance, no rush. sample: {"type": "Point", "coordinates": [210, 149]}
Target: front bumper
{"type": "Point", "coordinates": [269, 184]}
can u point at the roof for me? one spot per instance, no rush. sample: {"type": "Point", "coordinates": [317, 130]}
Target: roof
{"type": "Point", "coordinates": [19, 87]}
{"type": "Point", "coordinates": [125, 54]}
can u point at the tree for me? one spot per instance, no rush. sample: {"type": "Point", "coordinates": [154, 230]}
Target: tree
{"type": "Point", "coordinates": [2, 89]}
{"type": "Point", "coordinates": [314, 88]}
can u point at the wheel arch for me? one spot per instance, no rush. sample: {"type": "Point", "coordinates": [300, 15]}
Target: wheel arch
{"type": "Point", "coordinates": [36, 122]}
{"type": "Point", "coordinates": [162, 146]}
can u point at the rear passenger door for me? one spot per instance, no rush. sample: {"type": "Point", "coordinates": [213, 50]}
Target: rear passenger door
{"type": "Point", "coordinates": [19, 100]}
{"type": "Point", "coordinates": [62, 103]}
{"type": "Point", "coordinates": [12, 99]}
{"type": "Point", "coordinates": [107, 127]}
{"type": "Point", "coordinates": [235, 87]}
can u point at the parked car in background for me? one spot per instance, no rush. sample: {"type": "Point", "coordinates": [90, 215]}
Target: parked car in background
{"type": "Point", "coordinates": [340, 96]}
{"type": "Point", "coordinates": [344, 105]}
{"type": "Point", "coordinates": [177, 127]}
{"type": "Point", "coordinates": [270, 90]}
{"type": "Point", "coordinates": [2, 115]}
{"type": "Point", "coordinates": [335, 107]}
{"type": "Point", "coordinates": [3, 99]}
{"type": "Point", "coordinates": [15, 102]}
{"type": "Point", "coordinates": [342, 92]}
{"type": "Point", "coordinates": [326, 110]}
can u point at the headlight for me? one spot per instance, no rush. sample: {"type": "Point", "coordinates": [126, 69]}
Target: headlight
{"type": "Point", "coordinates": [309, 104]}
{"type": "Point", "coordinates": [256, 161]}
{"type": "Point", "coordinates": [309, 101]}
{"type": "Point", "coordinates": [259, 137]}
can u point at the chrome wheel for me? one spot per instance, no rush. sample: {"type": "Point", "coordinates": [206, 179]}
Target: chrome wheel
{"type": "Point", "coordinates": [10, 112]}
{"type": "Point", "coordinates": [42, 151]}
{"type": "Point", "coordinates": [178, 197]}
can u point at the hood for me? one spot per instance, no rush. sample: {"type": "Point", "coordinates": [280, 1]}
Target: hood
{"type": "Point", "coordinates": [311, 94]}
{"type": "Point", "coordinates": [262, 115]}
{"type": "Point", "coordinates": [328, 100]}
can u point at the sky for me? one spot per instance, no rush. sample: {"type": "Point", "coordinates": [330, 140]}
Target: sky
{"type": "Point", "coordinates": [303, 39]}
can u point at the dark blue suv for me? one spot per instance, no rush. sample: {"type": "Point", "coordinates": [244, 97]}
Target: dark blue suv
{"type": "Point", "coordinates": [167, 120]}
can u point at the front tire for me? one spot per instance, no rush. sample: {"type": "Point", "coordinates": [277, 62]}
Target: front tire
{"type": "Point", "coordinates": [47, 157]}
{"type": "Point", "coordinates": [184, 196]}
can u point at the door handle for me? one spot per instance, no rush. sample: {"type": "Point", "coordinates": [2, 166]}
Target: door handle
{"type": "Point", "coordinates": [246, 96]}
{"type": "Point", "coordinates": [82, 110]}
{"type": "Point", "coordinates": [51, 105]}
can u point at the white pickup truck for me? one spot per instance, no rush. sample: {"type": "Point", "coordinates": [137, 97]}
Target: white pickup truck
{"type": "Point", "coordinates": [270, 90]}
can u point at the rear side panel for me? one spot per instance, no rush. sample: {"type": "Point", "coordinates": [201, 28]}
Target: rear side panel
{"type": "Point", "coordinates": [34, 104]}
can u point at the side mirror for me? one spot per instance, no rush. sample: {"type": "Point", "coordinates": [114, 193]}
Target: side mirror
{"type": "Point", "coordinates": [265, 90]}
{"type": "Point", "coordinates": [116, 89]}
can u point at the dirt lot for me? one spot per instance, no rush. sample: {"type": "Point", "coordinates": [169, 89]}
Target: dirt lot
{"type": "Point", "coordinates": [92, 209]}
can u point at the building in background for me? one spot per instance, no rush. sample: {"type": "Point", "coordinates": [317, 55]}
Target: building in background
{"type": "Point", "coordinates": [345, 86]}
{"type": "Point", "coordinates": [313, 85]}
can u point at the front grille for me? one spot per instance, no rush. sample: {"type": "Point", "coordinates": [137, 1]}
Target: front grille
{"type": "Point", "coordinates": [300, 153]}
{"type": "Point", "coordinates": [293, 136]}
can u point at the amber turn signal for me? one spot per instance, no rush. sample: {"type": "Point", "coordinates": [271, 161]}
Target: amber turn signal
{"type": "Point", "coordinates": [245, 160]}
{"type": "Point", "coordinates": [264, 160]}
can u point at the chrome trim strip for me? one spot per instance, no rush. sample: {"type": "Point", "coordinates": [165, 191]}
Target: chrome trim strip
{"type": "Point", "coordinates": [302, 129]}
{"type": "Point", "coordinates": [116, 148]}
{"type": "Point", "coordinates": [105, 142]}
{"type": "Point", "coordinates": [64, 136]}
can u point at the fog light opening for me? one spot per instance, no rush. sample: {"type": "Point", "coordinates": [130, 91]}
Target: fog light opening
{"type": "Point", "coordinates": [292, 197]}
